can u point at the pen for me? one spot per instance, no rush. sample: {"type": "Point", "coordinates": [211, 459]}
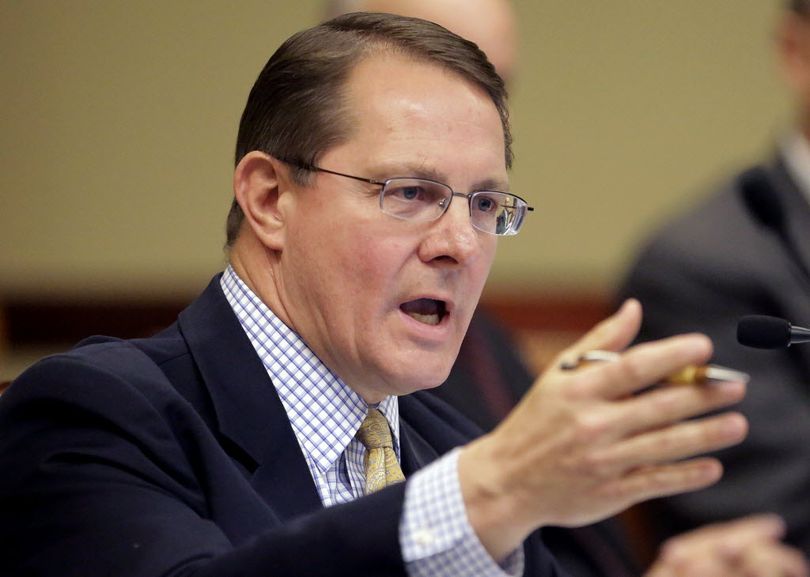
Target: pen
{"type": "Point", "coordinates": [689, 375]}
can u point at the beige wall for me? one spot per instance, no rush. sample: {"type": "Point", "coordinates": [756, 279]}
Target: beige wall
{"type": "Point", "coordinates": [118, 121]}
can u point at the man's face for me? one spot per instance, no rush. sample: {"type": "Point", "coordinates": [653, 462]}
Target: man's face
{"type": "Point", "coordinates": [361, 287]}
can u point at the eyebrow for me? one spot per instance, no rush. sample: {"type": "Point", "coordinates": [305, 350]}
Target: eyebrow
{"type": "Point", "coordinates": [430, 173]}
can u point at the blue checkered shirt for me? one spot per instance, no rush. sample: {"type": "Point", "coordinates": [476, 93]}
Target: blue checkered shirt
{"type": "Point", "coordinates": [325, 414]}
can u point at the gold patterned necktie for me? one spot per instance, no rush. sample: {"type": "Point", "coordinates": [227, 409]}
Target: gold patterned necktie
{"type": "Point", "coordinates": [382, 468]}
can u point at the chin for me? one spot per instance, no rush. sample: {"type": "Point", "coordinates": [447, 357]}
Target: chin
{"type": "Point", "coordinates": [410, 370]}
{"type": "Point", "coordinates": [426, 380]}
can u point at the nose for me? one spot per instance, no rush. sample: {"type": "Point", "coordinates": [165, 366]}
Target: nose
{"type": "Point", "coordinates": [452, 239]}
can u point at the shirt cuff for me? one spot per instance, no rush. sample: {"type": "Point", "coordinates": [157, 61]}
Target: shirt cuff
{"type": "Point", "coordinates": [435, 534]}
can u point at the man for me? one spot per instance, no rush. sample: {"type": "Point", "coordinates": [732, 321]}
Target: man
{"type": "Point", "coordinates": [713, 265]}
{"type": "Point", "coordinates": [293, 382]}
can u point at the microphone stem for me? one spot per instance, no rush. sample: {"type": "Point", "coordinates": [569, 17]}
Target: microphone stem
{"type": "Point", "coordinates": [799, 335]}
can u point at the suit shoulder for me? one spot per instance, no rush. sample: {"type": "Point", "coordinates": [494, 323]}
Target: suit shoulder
{"type": "Point", "coordinates": [161, 348]}
{"type": "Point", "coordinates": [706, 222]}
{"type": "Point", "coordinates": [102, 372]}
{"type": "Point", "coordinates": [715, 238]}
{"type": "Point", "coordinates": [89, 367]}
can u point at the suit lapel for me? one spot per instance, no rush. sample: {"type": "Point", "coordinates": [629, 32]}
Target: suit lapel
{"type": "Point", "coordinates": [248, 410]}
{"type": "Point", "coordinates": [428, 429]}
{"type": "Point", "coordinates": [797, 210]}
{"type": "Point", "coordinates": [796, 297]}
{"type": "Point", "coordinates": [250, 415]}
{"type": "Point", "coordinates": [415, 452]}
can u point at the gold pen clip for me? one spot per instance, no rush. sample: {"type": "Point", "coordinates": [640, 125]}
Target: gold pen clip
{"type": "Point", "coordinates": [689, 375]}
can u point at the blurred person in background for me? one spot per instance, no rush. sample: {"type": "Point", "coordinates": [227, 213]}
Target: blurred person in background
{"type": "Point", "coordinates": [714, 264]}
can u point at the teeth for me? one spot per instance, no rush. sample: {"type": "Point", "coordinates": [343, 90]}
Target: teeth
{"type": "Point", "coordinates": [427, 319]}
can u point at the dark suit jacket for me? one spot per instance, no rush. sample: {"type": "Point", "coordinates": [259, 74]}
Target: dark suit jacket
{"type": "Point", "coordinates": [701, 273]}
{"type": "Point", "coordinates": [173, 456]}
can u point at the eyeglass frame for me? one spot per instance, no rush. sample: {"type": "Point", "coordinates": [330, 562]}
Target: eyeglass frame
{"type": "Point", "coordinates": [383, 183]}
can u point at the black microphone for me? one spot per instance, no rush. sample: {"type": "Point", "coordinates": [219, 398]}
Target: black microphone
{"type": "Point", "coordinates": [764, 332]}
{"type": "Point", "coordinates": [763, 203]}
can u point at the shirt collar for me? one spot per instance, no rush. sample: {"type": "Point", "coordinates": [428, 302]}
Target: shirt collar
{"type": "Point", "coordinates": [325, 413]}
{"type": "Point", "coordinates": [796, 152]}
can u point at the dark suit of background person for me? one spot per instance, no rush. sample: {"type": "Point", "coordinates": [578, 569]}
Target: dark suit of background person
{"type": "Point", "coordinates": [702, 272]}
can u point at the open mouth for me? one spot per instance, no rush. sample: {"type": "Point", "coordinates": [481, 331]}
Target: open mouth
{"type": "Point", "coordinates": [427, 311]}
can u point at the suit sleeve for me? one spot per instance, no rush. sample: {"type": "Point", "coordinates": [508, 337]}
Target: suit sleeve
{"type": "Point", "coordinates": [105, 475]}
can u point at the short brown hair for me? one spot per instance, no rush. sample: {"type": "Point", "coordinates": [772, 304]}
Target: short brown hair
{"type": "Point", "coordinates": [296, 109]}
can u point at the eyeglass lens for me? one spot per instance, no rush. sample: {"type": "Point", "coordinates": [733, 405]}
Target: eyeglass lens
{"type": "Point", "coordinates": [416, 199]}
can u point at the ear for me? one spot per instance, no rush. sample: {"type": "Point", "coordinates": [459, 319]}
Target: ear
{"type": "Point", "coordinates": [259, 185]}
{"type": "Point", "coordinates": [793, 48]}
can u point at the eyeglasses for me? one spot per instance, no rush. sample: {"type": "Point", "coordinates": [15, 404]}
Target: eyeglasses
{"type": "Point", "coordinates": [422, 199]}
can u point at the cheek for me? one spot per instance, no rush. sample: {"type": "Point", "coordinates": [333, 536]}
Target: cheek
{"type": "Point", "coordinates": [351, 264]}
{"type": "Point", "coordinates": [372, 258]}
{"type": "Point", "coordinates": [483, 265]}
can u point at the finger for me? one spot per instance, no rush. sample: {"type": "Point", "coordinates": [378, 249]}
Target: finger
{"type": "Point", "coordinates": [678, 441]}
{"type": "Point", "coordinates": [738, 535]}
{"type": "Point", "coordinates": [666, 405]}
{"type": "Point", "coordinates": [759, 525]}
{"type": "Point", "coordinates": [692, 553]}
{"type": "Point", "coordinates": [646, 364]}
{"type": "Point", "coordinates": [660, 570]}
{"type": "Point", "coordinates": [728, 537]}
{"type": "Point", "coordinates": [653, 481]}
{"type": "Point", "coordinates": [694, 567]}
{"type": "Point", "coordinates": [612, 334]}
{"type": "Point", "coordinates": [726, 540]}
{"type": "Point", "coordinates": [773, 560]}
{"type": "Point", "coordinates": [704, 566]}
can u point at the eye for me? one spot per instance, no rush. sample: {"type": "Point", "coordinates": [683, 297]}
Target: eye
{"type": "Point", "coordinates": [414, 191]}
{"type": "Point", "coordinates": [485, 203]}
{"type": "Point", "coordinates": [410, 192]}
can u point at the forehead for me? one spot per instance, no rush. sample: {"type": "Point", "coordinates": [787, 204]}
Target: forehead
{"type": "Point", "coordinates": [402, 108]}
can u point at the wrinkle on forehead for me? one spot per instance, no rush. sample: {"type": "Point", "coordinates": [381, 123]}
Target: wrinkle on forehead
{"type": "Point", "coordinates": [419, 119]}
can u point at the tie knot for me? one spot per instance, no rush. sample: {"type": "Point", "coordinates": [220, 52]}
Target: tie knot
{"type": "Point", "coordinates": [375, 433]}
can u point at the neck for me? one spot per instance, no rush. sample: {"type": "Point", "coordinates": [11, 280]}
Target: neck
{"type": "Point", "coordinates": [257, 266]}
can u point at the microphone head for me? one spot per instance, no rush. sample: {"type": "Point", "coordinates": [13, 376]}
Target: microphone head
{"type": "Point", "coordinates": [760, 199]}
{"type": "Point", "coordinates": [763, 332]}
